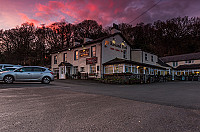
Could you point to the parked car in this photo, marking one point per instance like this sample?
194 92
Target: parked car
10 68
2 66
28 73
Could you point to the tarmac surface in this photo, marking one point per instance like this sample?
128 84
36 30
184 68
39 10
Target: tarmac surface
79 105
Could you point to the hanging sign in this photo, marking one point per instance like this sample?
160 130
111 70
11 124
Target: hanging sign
92 60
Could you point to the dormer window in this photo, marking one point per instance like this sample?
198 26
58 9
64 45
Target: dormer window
189 61
175 64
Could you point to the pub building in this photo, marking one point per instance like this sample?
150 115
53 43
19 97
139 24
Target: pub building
105 56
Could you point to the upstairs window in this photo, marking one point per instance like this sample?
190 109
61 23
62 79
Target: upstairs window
124 54
93 51
76 55
55 59
175 64
146 58
152 58
65 57
189 61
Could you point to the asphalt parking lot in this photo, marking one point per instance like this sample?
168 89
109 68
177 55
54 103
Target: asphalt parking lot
79 105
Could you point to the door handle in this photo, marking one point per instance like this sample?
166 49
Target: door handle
29 73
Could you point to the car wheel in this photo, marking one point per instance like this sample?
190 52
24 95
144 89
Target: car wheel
8 79
46 80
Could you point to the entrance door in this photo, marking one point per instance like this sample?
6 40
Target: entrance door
68 71
62 72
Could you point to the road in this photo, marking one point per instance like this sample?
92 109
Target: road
74 105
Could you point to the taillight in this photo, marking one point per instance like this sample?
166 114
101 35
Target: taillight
51 73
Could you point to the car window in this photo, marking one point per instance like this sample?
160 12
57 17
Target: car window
0 67
38 69
8 66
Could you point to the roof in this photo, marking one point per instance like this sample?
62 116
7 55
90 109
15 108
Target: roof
65 64
161 63
95 41
183 57
123 61
184 67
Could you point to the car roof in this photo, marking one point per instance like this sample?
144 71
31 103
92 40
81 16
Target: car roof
11 67
35 66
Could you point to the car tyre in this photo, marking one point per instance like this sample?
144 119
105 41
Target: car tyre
46 80
8 79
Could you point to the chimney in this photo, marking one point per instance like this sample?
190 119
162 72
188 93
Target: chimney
115 29
87 40
76 43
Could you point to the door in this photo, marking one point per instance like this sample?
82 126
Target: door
37 73
62 72
23 73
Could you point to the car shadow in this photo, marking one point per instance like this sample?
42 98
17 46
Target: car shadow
23 85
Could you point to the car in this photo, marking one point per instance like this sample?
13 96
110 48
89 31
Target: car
10 68
28 73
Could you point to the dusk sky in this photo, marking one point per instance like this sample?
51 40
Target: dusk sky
105 12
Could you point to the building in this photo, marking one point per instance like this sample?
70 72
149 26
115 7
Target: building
185 64
104 56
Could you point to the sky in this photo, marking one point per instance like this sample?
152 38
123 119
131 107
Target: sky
105 12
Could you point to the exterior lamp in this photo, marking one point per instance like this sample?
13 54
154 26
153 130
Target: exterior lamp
138 67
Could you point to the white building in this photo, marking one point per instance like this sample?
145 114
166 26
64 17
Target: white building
108 55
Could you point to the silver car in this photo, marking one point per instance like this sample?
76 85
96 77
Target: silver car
28 73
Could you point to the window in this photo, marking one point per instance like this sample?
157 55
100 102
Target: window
189 61
146 58
55 59
75 69
25 69
134 69
124 54
109 69
93 51
92 69
65 57
118 68
152 58
38 69
97 68
76 55
175 64
82 69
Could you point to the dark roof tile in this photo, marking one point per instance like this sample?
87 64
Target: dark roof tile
183 57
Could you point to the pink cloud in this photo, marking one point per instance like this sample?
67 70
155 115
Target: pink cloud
25 18
108 11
